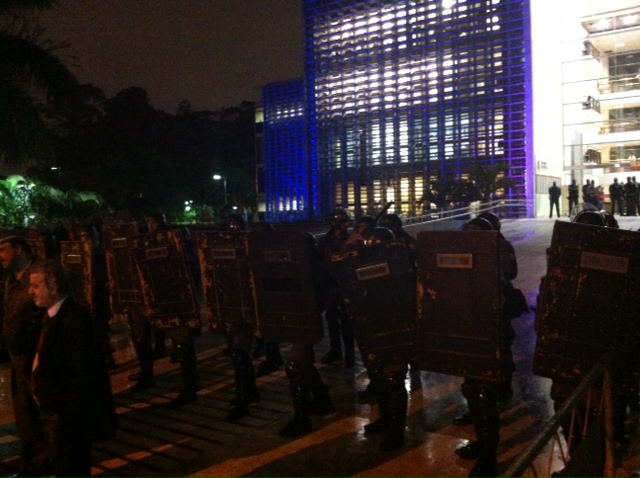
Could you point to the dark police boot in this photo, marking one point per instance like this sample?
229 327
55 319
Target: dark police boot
321 404
142 346
246 389
272 361
300 424
331 356
397 412
464 419
470 451
160 347
190 379
258 350
486 420
374 386
381 424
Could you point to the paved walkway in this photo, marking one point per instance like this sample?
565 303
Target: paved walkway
155 440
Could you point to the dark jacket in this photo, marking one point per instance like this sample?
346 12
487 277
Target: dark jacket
21 317
71 378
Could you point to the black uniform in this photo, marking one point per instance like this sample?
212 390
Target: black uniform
615 194
482 396
574 194
554 199
304 379
338 321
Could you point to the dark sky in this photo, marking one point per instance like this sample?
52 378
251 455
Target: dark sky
213 53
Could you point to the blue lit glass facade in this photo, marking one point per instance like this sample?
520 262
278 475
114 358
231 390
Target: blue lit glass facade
403 95
406 93
289 174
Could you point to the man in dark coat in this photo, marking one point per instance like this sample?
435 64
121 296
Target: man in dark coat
21 321
554 199
69 378
615 195
574 194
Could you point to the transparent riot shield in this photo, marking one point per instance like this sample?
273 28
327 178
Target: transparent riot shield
460 304
589 303
284 285
227 280
378 283
77 259
124 282
166 282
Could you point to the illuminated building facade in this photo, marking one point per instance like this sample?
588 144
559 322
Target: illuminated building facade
601 96
407 94
288 169
403 95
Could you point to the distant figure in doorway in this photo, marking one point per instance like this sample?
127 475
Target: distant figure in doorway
615 194
554 199
630 193
574 194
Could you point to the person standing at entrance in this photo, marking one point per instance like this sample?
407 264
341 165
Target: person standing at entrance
554 199
574 194
615 195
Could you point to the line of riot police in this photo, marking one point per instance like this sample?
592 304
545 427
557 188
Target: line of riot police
452 303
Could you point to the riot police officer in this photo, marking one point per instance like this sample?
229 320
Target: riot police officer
182 338
482 396
304 378
338 321
391 391
240 346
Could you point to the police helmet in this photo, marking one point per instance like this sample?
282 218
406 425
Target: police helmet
609 219
391 221
262 226
478 224
492 218
236 222
339 216
365 222
377 235
593 218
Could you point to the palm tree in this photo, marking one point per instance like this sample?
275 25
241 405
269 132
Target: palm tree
34 82
492 178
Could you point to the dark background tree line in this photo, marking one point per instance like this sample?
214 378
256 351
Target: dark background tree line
137 158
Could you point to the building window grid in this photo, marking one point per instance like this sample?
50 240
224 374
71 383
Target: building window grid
287 168
345 91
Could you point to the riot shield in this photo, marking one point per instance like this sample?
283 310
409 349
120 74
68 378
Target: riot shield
43 244
123 278
589 303
460 304
165 279
285 296
378 283
227 281
76 257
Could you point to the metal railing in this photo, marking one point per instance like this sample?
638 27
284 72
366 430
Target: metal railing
503 208
598 376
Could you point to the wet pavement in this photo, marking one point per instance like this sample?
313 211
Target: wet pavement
155 440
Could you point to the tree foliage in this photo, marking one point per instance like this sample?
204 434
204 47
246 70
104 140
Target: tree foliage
491 178
26 202
136 157
141 159
34 84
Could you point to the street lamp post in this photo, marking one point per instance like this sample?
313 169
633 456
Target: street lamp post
218 177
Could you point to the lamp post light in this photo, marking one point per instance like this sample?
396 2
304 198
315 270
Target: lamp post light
218 177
